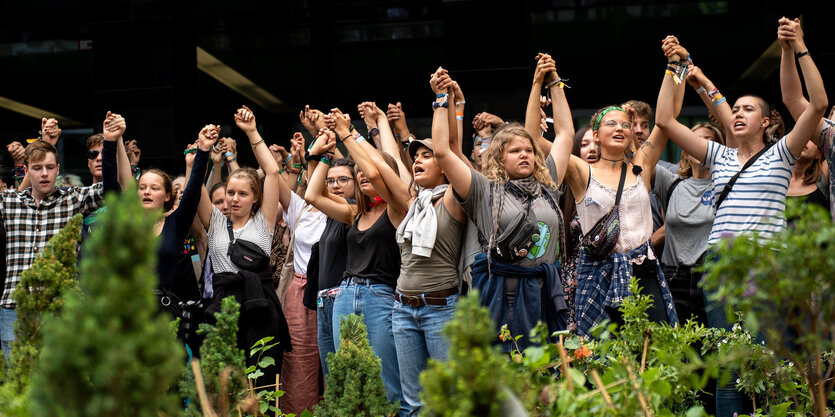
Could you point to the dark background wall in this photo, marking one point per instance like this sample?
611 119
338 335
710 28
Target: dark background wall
79 59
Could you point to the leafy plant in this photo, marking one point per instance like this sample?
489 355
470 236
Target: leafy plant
782 289
354 385
109 352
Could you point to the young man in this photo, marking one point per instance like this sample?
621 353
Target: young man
32 216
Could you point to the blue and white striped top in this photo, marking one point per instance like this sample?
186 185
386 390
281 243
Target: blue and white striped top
757 201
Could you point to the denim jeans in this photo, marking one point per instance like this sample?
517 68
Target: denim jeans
729 400
418 335
324 317
7 319
375 302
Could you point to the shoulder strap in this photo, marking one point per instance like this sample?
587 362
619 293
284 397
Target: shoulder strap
229 228
733 179
670 191
620 184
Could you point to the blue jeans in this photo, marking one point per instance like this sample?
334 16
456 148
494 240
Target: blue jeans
729 400
375 302
7 319
418 335
325 325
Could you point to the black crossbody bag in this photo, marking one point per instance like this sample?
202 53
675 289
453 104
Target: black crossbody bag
245 254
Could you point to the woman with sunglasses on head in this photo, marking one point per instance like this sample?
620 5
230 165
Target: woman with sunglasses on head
373 258
612 198
240 245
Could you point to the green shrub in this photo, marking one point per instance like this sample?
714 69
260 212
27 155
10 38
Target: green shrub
109 353
354 385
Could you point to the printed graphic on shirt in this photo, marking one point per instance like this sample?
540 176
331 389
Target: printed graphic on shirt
539 247
707 198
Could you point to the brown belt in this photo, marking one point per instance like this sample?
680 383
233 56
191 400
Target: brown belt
435 298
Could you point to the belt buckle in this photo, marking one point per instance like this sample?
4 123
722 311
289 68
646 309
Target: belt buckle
411 300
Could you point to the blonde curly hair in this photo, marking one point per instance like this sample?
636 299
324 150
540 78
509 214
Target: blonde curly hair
494 168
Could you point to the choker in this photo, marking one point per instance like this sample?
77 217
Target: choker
376 201
611 160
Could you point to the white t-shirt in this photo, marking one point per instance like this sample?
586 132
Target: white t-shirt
308 232
757 201
256 230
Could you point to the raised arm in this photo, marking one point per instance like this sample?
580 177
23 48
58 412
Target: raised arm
457 172
397 118
317 193
113 130
563 124
544 66
665 119
208 134
649 153
275 190
808 122
715 102
456 122
196 163
216 157
387 141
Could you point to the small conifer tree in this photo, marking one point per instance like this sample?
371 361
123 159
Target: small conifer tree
474 380
109 353
40 291
219 352
354 384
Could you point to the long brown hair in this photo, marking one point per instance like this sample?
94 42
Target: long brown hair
493 161
363 201
685 170
167 185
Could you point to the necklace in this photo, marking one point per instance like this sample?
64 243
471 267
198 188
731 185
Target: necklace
610 160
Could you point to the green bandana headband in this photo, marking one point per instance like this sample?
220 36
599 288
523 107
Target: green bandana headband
603 113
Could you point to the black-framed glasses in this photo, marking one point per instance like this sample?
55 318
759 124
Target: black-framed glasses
342 181
92 154
614 123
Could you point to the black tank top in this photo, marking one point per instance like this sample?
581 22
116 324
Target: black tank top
815 197
373 253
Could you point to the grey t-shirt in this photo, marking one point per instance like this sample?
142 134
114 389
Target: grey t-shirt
689 217
477 207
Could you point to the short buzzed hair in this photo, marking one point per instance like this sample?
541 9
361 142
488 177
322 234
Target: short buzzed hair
36 151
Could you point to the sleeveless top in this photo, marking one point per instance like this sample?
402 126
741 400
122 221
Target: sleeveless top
635 211
440 270
373 253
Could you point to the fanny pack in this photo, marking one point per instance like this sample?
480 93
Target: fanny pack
518 237
245 254
601 239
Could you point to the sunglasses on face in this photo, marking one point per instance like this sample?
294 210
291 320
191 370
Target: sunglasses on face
92 154
342 181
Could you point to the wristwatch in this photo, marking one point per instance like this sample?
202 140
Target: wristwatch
373 131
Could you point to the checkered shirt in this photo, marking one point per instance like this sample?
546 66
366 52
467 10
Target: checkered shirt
605 283
29 227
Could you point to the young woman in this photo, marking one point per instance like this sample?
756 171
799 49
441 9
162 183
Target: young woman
333 250
811 178
252 216
430 238
518 279
301 367
603 278
688 200
373 261
587 149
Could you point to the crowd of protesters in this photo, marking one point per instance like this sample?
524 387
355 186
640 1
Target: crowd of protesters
399 227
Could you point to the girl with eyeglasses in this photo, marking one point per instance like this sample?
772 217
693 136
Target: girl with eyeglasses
610 257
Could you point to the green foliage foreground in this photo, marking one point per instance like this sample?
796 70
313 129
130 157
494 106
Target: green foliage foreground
109 353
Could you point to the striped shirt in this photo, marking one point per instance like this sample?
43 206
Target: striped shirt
29 226
757 201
